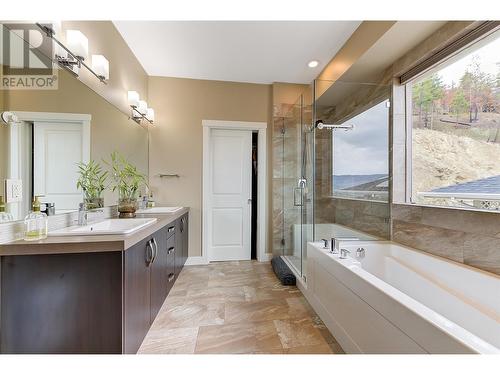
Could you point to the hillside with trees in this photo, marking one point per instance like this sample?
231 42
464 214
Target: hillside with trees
456 135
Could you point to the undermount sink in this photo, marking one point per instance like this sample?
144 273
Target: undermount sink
108 226
159 210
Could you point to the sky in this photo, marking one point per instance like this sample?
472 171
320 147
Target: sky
489 56
364 150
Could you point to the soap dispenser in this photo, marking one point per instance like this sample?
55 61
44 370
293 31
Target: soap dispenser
151 201
35 223
5 217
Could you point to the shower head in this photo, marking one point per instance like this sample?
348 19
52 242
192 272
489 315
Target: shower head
321 125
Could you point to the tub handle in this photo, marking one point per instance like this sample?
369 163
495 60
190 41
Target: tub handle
360 252
343 253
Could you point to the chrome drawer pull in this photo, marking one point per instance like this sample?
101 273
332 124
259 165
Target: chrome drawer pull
170 250
171 277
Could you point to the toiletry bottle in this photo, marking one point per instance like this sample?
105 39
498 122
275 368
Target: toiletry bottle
35 223
151 201
5 217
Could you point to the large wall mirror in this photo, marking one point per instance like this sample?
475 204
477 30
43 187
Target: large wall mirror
53 130
352 158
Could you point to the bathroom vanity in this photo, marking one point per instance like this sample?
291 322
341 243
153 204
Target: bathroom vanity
89 294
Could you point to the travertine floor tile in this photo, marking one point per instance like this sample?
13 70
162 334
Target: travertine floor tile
298 333
236 307
238 338
170 341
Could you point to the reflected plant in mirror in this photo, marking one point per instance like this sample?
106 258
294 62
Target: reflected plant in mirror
93 181
127 180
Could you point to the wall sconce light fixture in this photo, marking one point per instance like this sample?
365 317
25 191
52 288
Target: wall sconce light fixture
76 52
140 110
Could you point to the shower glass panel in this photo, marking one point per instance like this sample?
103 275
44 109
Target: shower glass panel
352 160
298 182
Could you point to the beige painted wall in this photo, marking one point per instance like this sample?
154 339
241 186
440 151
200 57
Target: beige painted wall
176 139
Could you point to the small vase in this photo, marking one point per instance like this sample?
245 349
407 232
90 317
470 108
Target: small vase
127 207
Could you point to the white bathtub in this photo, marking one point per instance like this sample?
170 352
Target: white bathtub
399 300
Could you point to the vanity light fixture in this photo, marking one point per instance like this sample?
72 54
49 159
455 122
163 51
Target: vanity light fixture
100 65
150 114
313 63
140 110
133 98
142 107
72 57
77 43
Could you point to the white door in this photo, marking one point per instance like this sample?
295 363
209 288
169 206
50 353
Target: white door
230 191
57 149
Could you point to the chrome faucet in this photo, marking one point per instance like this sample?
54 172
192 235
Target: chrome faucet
83 213
335 242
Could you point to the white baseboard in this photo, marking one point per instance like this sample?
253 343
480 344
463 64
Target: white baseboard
196 261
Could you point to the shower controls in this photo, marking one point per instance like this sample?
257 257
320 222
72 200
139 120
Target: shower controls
325 243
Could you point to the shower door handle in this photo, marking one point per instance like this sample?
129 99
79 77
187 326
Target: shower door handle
298 199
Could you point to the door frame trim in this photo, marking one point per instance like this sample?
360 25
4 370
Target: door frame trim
261 128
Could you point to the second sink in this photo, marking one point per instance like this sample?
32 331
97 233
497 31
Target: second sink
108 226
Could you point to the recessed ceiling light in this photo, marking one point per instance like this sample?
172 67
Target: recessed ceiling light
313 63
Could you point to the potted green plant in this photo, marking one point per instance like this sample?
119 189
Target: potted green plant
127 180
92 180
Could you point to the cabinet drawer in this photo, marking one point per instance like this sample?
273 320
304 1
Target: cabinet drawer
170 230
171 250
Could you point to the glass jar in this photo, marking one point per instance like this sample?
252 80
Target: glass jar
35 223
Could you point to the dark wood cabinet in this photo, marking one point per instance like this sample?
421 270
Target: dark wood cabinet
137 294
159 272
185 237
100 302
182 238
61 303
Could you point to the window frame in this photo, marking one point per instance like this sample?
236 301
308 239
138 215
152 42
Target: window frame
414 74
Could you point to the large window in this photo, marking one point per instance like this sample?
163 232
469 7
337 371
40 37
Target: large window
361 156
455 130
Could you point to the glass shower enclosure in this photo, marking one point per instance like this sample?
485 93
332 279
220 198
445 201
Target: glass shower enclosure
297 183
331 180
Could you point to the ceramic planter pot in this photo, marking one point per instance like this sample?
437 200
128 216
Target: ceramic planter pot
127 207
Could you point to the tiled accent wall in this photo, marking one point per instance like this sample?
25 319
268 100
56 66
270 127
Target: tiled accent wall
285 166
469 237
365 216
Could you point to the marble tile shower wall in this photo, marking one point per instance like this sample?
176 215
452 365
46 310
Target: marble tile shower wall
285 166
468 237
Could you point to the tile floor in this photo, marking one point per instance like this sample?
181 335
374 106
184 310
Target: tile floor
236 307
